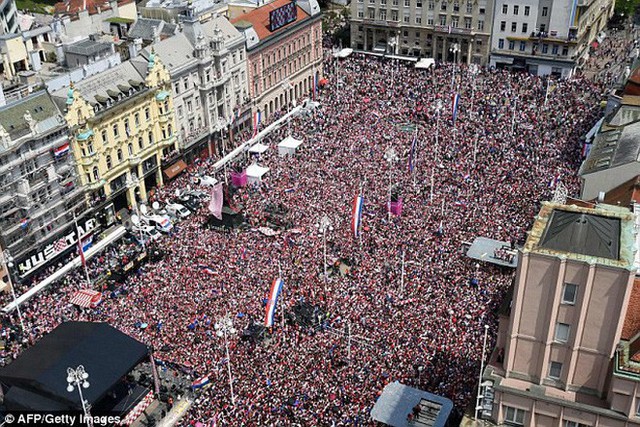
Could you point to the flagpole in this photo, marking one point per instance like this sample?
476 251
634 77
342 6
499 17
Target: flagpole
81 251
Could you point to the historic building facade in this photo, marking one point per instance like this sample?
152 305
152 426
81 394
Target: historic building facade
38 186
122 127
283 59
448 31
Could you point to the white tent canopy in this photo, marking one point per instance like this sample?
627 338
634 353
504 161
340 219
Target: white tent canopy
425 63
344 53
258 148
255 173
288 146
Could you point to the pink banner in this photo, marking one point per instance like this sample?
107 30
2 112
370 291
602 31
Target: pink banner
239 179
396 207
215 205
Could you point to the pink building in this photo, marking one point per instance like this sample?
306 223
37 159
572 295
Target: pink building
284 52
568 337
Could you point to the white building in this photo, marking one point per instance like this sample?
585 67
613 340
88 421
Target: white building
546 36
8 17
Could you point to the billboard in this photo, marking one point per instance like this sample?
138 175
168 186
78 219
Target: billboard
282 16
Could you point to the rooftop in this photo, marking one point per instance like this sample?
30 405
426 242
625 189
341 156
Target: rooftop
604 234
259 18
147 28
631 325
42 110
88 47
624 194
73 7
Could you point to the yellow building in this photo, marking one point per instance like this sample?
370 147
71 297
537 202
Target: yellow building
122 126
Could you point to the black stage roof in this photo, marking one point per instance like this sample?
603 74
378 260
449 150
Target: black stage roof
37 378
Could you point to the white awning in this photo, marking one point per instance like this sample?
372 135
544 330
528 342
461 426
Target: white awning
258 148
255 172
344 53
288 146
425 63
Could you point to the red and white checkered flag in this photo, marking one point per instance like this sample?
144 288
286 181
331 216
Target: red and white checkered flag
60 245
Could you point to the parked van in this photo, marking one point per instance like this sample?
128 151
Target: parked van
148 232
160 223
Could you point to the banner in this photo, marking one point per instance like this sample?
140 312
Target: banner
215 205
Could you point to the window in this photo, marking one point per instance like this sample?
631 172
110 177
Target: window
456 6
147 115
467 23
360 14
513 416
120 156
140 142
431 5
481 11
136 119
526 10
512 45
418 20
150 137
130 149
430 22
638 407
569 293
503 25
417 34
565 51
555 370
523 46
545 11
562 332
554 49
406 18
573 424
480 25
443 6
469 7
525 27
443 19
516 9
543 28
372 15
454 21
501 44
514 27
104 137
407 3
115 130
109 163
419 4
505 9
545 48
383 15
394 15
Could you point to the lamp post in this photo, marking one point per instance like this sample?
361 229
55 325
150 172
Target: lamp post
391 157
454 49
323 226
484 349
7 261
223 327
77 378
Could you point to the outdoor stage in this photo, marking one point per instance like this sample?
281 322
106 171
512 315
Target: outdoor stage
493 251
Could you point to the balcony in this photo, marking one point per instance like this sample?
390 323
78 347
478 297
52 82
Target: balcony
164 117
95 185
134 160
168 141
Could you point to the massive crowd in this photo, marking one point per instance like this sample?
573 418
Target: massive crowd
484 176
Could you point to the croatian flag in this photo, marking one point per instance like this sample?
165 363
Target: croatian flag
356 220
200 382
412 153
62 150
454 107
207 269
257 119
276 288
81 248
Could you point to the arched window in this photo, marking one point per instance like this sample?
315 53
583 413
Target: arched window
130 149
140 142
109 162
170 130
120 157
150 137
96 173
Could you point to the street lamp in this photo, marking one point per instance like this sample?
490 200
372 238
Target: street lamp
323 227
77 378
223 327
454 49
391 157
7 260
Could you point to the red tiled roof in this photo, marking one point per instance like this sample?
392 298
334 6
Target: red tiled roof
632 86
72 7
624 194
259 18
631 325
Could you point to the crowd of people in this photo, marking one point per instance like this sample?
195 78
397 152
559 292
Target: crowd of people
420 324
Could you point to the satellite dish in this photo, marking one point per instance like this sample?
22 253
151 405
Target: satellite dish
155 205
143 209
135 219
